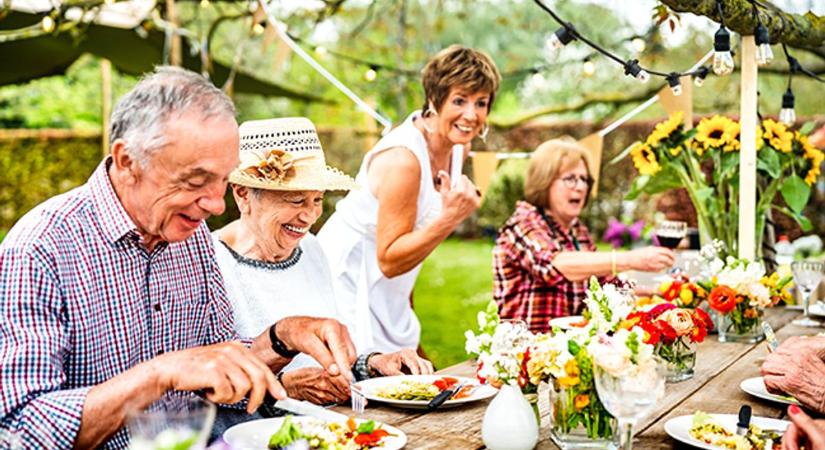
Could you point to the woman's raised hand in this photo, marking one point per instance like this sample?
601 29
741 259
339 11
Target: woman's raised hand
458 201
650 259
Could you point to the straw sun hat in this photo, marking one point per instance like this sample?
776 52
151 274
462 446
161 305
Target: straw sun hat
285 155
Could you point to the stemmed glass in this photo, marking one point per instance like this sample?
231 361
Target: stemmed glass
630 398
176 421
670 232
807 275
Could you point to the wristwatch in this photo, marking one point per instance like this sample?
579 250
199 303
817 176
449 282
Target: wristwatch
278 345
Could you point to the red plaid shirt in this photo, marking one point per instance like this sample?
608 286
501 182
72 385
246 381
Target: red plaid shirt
526 285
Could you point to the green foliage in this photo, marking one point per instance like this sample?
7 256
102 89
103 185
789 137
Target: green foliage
506 188
32 170
455 283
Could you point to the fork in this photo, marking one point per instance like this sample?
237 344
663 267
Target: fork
358 400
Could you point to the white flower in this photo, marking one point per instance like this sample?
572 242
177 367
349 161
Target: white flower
482 319
758 295
616 355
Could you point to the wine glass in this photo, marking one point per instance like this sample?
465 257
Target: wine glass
807 275
670 232
631 397
178 421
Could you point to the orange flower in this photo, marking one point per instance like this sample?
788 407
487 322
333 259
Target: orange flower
750 313
722 299
581 401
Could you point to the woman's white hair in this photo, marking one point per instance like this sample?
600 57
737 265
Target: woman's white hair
141 116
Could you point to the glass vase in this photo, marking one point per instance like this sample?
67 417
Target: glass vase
579 421
679 358
735 327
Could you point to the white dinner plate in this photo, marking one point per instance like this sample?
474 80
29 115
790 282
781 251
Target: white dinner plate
255 434
679 427
370 387
566 323
756 386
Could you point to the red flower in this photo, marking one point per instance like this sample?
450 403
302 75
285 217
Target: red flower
672 291
668 333
652 333
698 334
722 299
701 318
657 310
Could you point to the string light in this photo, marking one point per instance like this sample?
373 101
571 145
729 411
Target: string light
700 75
787 115
764 53
639 44
47 24
559 39
588 68
674 83
258 29
371 74
633 69
204 4
321 50
722 59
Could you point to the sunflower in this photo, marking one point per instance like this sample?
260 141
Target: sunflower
664 129
644 159
716 132
816 157
777 135
735 144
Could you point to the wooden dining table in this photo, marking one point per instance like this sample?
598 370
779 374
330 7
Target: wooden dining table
714 388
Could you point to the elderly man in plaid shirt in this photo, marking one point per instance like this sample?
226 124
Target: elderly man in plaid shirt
110 294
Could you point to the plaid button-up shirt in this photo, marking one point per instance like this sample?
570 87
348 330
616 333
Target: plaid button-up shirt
525 284
81 300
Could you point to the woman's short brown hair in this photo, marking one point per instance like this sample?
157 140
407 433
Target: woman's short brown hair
458 66
551 158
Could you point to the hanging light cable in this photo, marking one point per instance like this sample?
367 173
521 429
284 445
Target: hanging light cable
764 53
787 115
722 58
674 83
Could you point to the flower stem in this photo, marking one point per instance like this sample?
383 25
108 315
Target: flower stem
626 436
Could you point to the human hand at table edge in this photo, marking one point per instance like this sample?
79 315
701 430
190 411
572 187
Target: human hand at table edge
800 374
326 340
315 385
228 372
395 363
803 431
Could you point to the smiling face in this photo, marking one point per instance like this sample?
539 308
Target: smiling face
183 183
278 220
462 115
568 191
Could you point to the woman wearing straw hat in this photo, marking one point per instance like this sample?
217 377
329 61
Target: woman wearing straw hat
272 266
379 235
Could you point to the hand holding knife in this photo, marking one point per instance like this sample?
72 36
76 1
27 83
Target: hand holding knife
444 395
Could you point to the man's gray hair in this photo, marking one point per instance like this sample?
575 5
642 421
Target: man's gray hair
141 116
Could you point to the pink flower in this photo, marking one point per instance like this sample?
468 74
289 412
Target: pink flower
681 320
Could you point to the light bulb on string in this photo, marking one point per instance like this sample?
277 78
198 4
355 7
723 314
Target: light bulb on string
674 83
764 53
639 44
258 29
321 50
47 24
700 76
633 69
722 59
559 39
371 74
588 67
787 115
204 4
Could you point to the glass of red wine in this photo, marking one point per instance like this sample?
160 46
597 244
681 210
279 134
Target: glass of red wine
670 233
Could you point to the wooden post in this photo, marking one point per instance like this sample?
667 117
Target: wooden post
105 102
747 160
175 55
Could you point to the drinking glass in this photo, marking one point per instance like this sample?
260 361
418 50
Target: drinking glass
630 398
807 275
670 232
176 421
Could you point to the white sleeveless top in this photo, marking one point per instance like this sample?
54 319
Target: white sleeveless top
379 307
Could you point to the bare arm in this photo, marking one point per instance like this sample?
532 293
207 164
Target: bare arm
577 266
394 177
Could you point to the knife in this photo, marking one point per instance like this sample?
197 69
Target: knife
444 395
770 336
744 420
305 408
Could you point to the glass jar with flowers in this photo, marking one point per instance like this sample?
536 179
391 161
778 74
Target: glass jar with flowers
705 161
739 293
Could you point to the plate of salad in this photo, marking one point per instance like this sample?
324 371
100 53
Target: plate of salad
416 391
718 431
308 433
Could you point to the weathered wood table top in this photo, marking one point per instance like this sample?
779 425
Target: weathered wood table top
720 367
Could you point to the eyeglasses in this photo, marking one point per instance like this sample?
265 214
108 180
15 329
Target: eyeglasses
570 181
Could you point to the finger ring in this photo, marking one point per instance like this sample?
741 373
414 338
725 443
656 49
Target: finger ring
478 192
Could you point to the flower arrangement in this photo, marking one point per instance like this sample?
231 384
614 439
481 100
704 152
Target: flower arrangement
740 291
682 292
705 161
621 234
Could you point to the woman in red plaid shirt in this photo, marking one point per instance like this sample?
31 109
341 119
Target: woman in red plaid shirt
544 254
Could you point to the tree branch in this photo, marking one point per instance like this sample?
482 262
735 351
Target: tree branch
613 98
797 30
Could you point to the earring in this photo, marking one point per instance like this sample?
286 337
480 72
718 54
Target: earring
484 130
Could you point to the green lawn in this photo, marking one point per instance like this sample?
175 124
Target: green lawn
455 283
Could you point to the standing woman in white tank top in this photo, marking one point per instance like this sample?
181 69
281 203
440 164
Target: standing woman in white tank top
379 235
